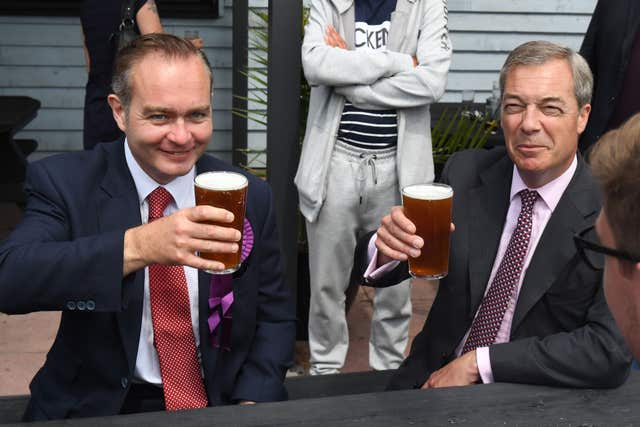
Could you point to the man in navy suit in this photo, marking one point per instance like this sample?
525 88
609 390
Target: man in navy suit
85 246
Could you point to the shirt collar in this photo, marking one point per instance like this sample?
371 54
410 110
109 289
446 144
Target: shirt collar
552 191
181 188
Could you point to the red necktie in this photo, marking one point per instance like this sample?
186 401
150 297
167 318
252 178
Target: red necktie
172 331
494 305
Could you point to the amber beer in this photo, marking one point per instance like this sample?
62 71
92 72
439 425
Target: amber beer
428 206
226 190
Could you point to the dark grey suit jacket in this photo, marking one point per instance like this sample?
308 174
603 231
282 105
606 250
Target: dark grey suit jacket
562 332
607 48
66 254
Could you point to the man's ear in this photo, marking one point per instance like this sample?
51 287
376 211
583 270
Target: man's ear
630 270
119 113
583 117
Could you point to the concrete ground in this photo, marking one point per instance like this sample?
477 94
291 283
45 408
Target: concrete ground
25 339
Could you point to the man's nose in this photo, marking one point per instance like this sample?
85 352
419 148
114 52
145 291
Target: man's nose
180 133
531 119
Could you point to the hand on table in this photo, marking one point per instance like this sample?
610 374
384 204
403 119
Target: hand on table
459 372
174 239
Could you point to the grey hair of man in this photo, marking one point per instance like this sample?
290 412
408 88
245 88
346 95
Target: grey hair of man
540 52
167 45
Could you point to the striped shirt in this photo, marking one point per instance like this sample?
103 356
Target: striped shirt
370 129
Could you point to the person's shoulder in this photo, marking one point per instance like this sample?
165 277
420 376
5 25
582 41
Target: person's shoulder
478 159
76 167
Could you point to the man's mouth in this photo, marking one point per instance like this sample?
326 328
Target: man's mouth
177 153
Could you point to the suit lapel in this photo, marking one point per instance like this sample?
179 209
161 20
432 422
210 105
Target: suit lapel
119 209
488 206
208 353
575 211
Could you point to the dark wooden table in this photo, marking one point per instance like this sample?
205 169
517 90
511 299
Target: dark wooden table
484 405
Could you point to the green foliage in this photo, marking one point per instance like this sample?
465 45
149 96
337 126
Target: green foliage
257 81
459 130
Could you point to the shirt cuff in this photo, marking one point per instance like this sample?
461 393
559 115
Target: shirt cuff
373 271
484 364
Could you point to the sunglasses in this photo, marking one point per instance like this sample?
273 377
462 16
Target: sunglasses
593 253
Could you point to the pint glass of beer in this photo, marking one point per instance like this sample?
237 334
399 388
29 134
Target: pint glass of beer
226 190
428 206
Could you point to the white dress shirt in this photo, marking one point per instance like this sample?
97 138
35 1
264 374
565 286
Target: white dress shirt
181 188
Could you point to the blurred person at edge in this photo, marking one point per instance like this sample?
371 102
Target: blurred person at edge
615 161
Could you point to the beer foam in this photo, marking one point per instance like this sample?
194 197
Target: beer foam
222 181
428 192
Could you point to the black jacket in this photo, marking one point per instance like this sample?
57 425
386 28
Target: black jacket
606 47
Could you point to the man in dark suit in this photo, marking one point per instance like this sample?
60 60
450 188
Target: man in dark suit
85 247
553 326
611 46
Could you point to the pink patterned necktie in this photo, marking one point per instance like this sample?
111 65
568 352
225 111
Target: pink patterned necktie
494 305
172 331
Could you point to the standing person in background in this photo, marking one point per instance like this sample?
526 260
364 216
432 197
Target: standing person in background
100 19
612 49
374 67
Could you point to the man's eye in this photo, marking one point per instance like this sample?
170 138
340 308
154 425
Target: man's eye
551 110
198 115
158 117
513 108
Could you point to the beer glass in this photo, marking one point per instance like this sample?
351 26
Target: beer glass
226 190
428 206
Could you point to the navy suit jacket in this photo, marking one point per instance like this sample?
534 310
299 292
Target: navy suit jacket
562 332
67 254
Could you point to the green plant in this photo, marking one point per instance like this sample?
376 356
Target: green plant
257 79
462 129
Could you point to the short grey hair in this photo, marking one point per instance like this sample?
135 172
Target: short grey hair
540 52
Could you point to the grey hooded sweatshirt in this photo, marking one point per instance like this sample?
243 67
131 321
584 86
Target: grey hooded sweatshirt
373 80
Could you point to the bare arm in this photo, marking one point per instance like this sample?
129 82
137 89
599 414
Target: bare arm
148 19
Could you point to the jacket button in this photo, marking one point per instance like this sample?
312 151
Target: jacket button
91 305
124 382
81 305
71 305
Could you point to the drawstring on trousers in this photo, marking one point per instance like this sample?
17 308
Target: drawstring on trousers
366 160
